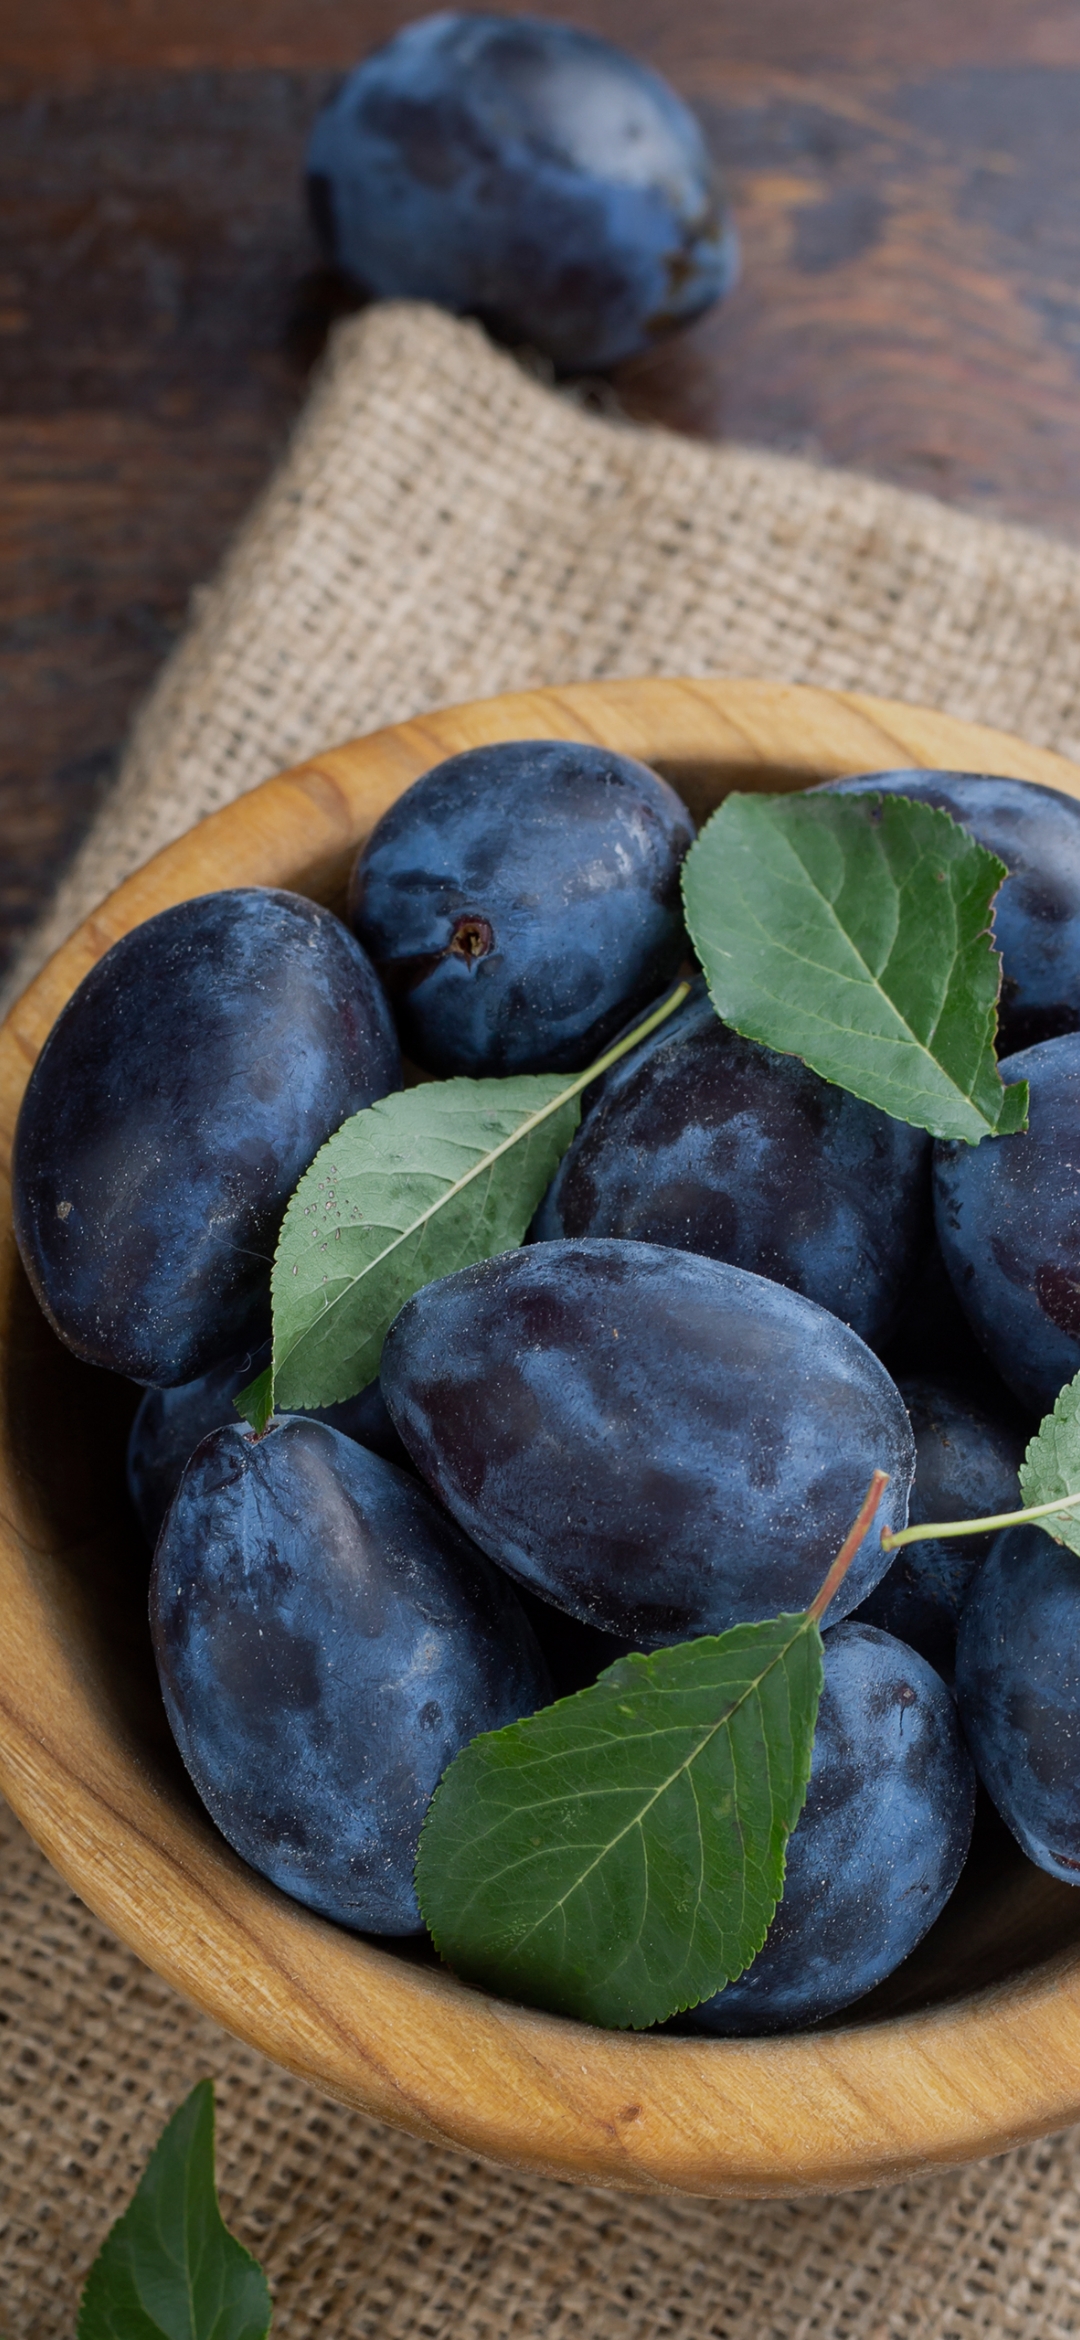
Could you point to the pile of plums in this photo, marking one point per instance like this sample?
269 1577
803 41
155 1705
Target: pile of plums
744 1291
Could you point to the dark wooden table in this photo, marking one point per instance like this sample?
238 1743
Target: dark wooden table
906 177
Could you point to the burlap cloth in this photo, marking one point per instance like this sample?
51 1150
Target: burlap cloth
443 527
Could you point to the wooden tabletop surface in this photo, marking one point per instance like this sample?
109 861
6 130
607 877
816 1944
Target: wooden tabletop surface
906 179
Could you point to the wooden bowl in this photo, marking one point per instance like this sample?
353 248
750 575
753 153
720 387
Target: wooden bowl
973 2045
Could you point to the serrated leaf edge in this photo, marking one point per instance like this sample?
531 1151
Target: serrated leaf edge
1017 1112
803 1623
666 1007
423 1219
200 2102
1040 1459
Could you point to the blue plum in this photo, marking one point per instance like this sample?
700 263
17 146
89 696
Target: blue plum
521 902
528 173
932 1337
658 1443
1035 831
967 1460
170 1423
710 1143
326 1644
1018 1690
1008 1222
878 1849
574 1653
178 1098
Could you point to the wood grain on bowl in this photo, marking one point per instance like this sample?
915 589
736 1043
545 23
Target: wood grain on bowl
973 2045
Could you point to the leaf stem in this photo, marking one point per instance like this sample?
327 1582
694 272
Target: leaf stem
850 1546
931 1529
592 1072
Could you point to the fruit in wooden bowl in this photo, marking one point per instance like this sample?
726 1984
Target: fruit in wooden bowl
974 2043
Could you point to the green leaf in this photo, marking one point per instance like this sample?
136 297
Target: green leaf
855 932
1050 1471
255 1404
619 1856
170 2269
424 1182
421 1183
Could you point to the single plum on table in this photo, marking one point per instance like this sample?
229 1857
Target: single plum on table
180 1095
326 1644
878 1847
658 1443
710 1143
521 903
1035 831
527 173
170 1423
1018 1690
1008 1222
967 1461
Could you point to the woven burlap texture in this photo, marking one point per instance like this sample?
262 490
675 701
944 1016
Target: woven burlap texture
368 2235
443 526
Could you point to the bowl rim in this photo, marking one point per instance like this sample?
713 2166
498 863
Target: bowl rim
805 2113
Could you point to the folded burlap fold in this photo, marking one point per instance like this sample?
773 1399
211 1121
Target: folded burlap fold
443 527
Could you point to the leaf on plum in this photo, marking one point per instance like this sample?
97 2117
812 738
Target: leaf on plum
856 933
170 2269
1050 1470
255 1402
426 1181
620 1855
